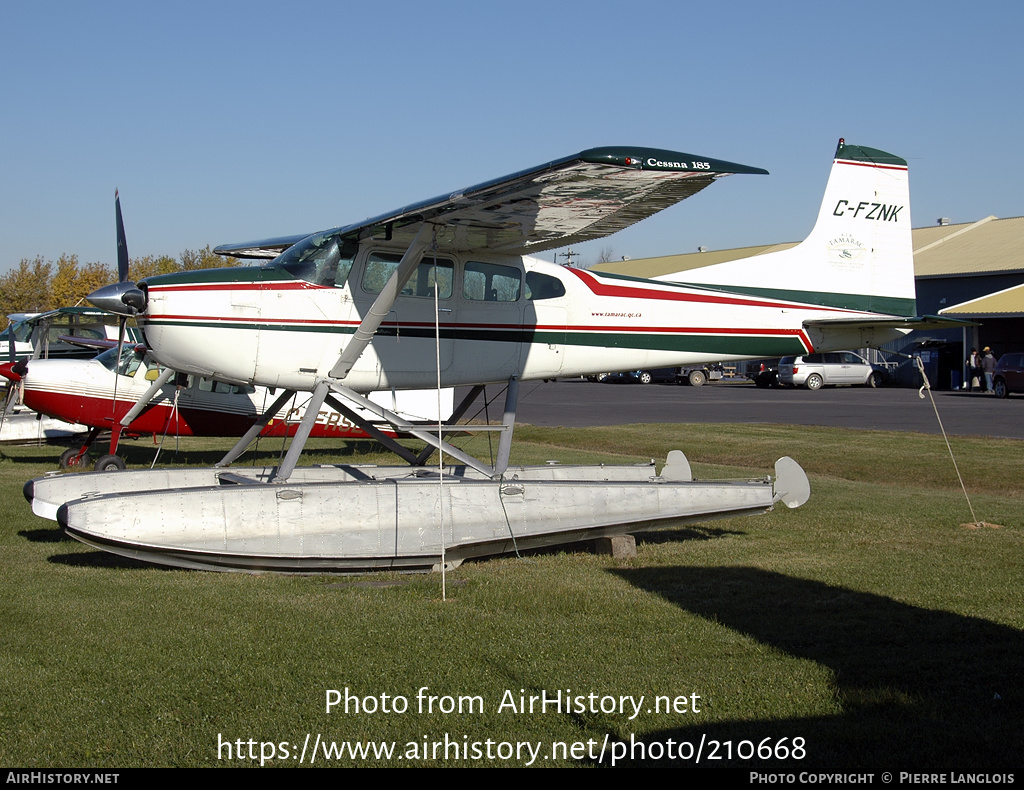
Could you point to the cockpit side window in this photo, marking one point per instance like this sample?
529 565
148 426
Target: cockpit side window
429 272
491 282
324 259
543 286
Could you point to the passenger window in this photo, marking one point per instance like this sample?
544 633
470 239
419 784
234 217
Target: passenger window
543 286
491 282
381 265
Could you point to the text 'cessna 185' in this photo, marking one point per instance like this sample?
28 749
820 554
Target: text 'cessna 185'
444 293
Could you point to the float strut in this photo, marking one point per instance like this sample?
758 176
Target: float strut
284 471
509 421
255 430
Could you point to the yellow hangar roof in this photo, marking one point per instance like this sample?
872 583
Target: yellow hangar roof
988 246
1009 302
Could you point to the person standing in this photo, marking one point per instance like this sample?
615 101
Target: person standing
988 367
973 364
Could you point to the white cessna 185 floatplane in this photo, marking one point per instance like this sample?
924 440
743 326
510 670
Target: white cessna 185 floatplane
443 293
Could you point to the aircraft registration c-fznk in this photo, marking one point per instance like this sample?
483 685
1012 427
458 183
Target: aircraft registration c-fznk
444 293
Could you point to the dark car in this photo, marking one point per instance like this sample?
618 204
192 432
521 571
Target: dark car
663 375
1009 374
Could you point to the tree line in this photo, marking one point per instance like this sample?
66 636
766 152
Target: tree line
36 285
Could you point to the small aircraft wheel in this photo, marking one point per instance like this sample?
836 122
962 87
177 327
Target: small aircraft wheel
697 378
69 459
110 463
814 382
645 377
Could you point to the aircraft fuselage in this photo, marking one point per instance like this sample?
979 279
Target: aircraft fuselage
497 317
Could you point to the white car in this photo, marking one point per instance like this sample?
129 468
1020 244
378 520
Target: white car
815 371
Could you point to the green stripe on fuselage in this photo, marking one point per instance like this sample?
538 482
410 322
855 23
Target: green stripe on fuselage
752 345
233 274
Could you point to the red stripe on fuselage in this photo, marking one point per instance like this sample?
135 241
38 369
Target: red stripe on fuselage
635 292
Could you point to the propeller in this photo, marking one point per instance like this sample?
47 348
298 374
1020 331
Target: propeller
124 299
14 371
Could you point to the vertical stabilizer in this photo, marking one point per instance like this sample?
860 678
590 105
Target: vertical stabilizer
859 256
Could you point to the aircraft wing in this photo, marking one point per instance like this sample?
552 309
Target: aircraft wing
896 322
267 248
98 343
574 199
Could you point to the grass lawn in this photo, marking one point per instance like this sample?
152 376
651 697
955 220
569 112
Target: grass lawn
870 629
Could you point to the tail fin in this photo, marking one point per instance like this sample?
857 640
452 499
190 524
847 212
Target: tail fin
859 256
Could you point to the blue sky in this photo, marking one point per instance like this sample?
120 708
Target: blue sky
225 122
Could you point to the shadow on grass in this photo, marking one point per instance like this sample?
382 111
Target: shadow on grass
679 534
102 559
140 454
696 532
53 535
919 688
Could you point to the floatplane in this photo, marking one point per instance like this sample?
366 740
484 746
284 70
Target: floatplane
444 293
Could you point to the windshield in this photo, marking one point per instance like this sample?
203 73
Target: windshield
22 332
323 259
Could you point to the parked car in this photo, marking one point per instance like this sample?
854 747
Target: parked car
815 371
695 376
663 375
1009 375
769 377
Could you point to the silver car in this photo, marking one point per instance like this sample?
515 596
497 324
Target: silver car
815 371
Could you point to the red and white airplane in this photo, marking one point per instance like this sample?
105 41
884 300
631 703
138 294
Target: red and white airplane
444 293
146 399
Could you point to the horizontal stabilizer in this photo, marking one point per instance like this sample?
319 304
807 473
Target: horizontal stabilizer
899 322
